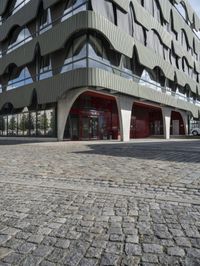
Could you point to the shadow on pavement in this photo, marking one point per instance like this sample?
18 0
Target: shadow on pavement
180 151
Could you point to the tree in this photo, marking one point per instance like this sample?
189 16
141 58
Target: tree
31 121
24 123
2 124
43 122
53 122
12 124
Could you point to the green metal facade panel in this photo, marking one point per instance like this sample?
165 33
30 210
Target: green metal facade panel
56 38
18 98
20 18
123 4
3 6
51 90
150 59
143 17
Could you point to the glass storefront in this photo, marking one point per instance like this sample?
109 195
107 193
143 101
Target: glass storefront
40 123
92 118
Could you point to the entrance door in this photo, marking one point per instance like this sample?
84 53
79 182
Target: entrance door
94 128
157 127
74 128
90 127
85 127
175 127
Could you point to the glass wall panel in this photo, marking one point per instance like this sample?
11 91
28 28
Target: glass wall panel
50 123
41 123
3 125
12 125
32 123
23 124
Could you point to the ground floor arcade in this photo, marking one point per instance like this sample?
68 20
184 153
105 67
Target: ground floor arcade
94 115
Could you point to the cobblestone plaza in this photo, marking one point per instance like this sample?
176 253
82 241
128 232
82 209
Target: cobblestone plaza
100 203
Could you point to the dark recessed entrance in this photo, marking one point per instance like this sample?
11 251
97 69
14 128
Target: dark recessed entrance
146 121
93 116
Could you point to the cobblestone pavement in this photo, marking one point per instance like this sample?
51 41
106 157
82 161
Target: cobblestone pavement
100 203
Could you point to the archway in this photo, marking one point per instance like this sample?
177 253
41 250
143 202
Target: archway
93 116
177 126
146 121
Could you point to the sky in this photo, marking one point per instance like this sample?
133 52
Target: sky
196 6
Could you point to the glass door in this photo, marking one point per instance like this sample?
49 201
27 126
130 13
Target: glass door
85 127
94 125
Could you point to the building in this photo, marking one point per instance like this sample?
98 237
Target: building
98 69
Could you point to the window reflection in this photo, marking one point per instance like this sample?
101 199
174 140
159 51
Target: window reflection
23 37
23 124
45 67
73 7
19 4
23 79
29 123
45 21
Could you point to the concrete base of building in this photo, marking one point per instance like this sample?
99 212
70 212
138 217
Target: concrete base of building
23 139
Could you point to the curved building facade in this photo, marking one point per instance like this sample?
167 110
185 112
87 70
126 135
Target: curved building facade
98 69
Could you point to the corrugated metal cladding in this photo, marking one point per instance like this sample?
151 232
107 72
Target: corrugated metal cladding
18 98
119 38
55 39
3 6
51 90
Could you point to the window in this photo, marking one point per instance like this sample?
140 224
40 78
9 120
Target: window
19 4
181 10
76 54
23 37
146 80
73 7
24 78
126 68
45 21
183 40
45 67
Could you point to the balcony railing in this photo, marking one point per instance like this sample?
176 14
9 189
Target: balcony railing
89 62
21 4
72 11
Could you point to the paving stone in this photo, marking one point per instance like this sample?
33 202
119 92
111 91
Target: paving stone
183 241
132 239
152 248
133 249
100 203
13 258
151 258
130 260
109 259
176 251
88 262
194 252
31 261
94 253
4 252
47 263
114 247
35 239
26 248
118 238
42 251
56 255
62 243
